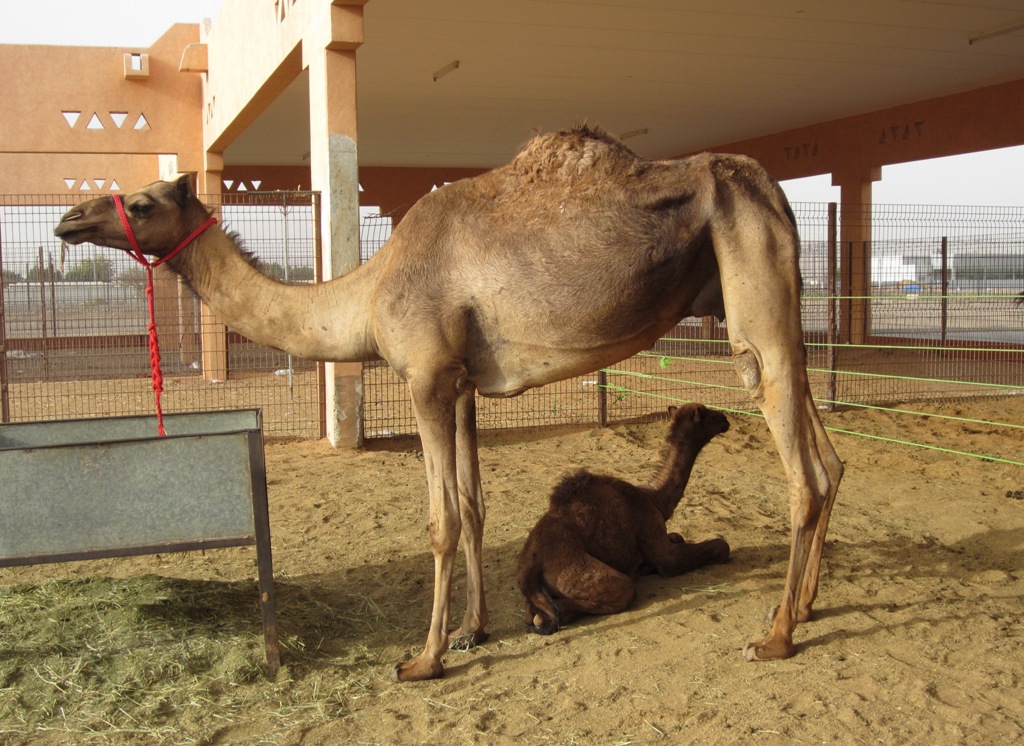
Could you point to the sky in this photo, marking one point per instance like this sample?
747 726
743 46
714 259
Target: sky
97 23
993 178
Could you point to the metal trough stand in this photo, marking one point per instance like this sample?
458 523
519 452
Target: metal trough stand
110 487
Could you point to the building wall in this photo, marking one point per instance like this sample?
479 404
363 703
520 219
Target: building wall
73 121
982 119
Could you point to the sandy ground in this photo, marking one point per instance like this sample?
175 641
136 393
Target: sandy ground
918 636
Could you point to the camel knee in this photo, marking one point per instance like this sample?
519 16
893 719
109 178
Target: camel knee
749 370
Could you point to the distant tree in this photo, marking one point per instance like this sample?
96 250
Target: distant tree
9 276
132 275
272 269
301 274
99 269
36 273
295 274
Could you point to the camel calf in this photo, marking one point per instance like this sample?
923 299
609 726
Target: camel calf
600 532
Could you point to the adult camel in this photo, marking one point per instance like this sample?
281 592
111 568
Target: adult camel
573 256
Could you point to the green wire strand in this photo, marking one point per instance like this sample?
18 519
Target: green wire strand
920 380
914 348
912 444
928 447
844 346
931 415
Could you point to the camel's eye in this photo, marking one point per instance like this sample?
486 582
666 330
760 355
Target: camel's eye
140 209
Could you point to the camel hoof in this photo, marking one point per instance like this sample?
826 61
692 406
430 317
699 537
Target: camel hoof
768 650
415 670
466 641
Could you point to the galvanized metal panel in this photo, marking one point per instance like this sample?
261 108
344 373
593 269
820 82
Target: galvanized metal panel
105 429
97 496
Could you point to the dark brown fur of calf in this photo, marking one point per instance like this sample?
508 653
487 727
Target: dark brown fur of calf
600 532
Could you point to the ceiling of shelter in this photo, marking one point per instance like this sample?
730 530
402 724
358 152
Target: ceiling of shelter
690 73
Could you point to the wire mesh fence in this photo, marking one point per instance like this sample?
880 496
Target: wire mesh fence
74 338
943 321
940 301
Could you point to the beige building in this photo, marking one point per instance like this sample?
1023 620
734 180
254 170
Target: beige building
266 98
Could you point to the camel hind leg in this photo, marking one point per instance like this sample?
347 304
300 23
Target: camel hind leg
757 251
471 507
434 400
586 585
814 472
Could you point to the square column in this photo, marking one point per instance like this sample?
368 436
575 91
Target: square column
855 253
213 332
334 172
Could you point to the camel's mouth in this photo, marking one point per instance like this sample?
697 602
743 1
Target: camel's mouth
722 426
70 235
73 228
65 230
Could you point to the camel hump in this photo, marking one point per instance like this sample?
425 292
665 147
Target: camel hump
572 487
573 154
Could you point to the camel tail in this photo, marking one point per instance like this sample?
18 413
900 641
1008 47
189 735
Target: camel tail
541 615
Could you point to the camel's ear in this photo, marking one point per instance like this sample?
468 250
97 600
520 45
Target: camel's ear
672 411
183 190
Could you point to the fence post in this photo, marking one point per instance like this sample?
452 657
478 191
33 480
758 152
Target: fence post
5 402
602 399
318 277
830 290
42 315
944 302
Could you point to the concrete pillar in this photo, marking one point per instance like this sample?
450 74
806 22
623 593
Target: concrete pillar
165 282
334 172
855 252
212 332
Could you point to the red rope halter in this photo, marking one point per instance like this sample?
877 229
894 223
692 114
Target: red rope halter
138 256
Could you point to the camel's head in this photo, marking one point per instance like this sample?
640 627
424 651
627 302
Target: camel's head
160 215
695 423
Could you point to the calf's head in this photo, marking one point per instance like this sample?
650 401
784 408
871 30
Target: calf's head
695 423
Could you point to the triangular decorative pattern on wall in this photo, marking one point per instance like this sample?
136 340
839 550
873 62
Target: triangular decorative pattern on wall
240 185
95 122
87 185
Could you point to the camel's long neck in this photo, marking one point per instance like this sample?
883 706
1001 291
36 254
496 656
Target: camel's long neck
667 489
327 321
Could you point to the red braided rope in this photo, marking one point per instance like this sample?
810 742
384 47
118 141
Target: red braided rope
154 342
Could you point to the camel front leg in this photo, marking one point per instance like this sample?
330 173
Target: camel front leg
434 407
471 504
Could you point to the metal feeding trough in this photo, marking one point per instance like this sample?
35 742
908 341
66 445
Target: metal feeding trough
110 487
